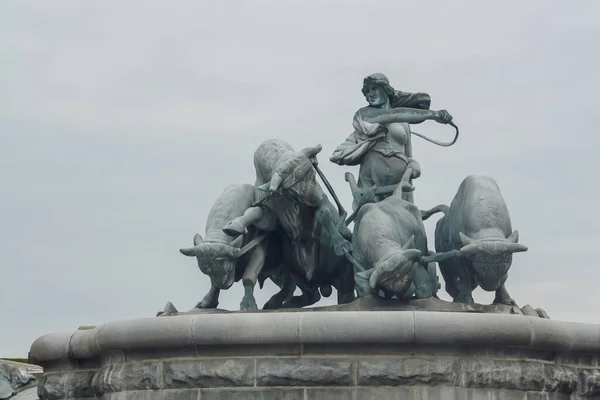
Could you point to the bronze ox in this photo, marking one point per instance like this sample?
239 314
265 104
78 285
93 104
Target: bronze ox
313 245
478 224
225 259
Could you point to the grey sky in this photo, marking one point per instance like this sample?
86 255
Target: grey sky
120 122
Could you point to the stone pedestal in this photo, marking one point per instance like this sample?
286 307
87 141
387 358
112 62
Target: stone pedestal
299 355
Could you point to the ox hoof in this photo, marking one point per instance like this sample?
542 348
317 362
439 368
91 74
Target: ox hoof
304 300
248 304
507 302
326 290
346 298
273 304
464 299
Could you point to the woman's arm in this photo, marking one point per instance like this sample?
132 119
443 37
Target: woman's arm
407 115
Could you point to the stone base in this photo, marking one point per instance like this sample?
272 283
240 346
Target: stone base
331 355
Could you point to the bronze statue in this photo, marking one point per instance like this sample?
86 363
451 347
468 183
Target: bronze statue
381 141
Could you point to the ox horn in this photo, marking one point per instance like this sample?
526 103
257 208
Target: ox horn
189 251
312 151
513 243
192 251
410 244
468 249
276 180
469 245
516 247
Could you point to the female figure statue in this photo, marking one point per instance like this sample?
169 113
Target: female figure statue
381 141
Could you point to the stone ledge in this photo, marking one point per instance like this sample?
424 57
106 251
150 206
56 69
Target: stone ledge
251 375
334 327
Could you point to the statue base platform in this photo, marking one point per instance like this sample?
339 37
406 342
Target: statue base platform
377 303
307 355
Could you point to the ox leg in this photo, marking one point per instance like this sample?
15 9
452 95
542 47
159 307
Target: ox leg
426 280
346 284
248 301
339 242
286 293
502 296
463 281
310 295
304 300
424 287
250 276
239 225
458 280
211 299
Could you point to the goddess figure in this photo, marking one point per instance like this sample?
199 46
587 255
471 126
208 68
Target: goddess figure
381 141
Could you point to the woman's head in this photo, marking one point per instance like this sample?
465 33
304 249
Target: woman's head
377 90
380 94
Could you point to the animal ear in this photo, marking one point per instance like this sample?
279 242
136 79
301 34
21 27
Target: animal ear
312 151
514 237
410 244
197 239
465 239
190 251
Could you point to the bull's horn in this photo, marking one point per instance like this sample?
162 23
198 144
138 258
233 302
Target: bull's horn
190 251
410 244
514 237
197 239
411 254
276 180
312 151
516 247
468 249
465 239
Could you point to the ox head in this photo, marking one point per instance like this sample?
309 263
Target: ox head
217 260
295 176
394 272
491 257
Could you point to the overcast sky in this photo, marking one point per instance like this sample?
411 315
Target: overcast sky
121 122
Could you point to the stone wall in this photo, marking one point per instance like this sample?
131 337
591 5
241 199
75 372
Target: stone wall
345 355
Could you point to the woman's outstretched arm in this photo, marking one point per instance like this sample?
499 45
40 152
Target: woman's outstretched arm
407 115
